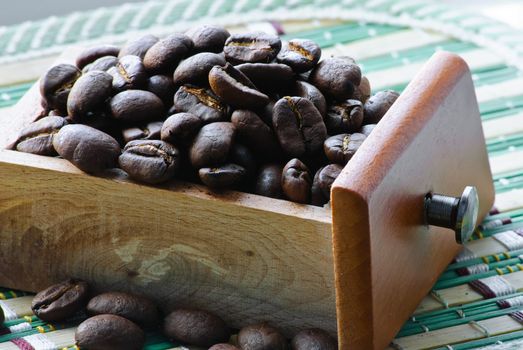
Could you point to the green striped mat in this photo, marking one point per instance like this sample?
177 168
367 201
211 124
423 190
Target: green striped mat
391 40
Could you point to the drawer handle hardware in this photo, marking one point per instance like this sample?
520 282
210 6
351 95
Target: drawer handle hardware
457 213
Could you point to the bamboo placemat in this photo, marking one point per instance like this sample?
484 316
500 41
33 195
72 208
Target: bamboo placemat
477 301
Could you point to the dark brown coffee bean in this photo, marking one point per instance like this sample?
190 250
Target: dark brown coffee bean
56 85
129 73
327 176
208 38
60 301
163 87
136 106
261 337
313 339
376 106
89 149
136 308
195 327
88 94
195 69
251 47
268 76
200 102
336 77
367 129
93 53
180 128
103 64
150 131
268 182
164 56
37 137
311 93
296 181
253 132
340 148
235 88
300 54
150 161
243 156
362 92
317 197
139 46
109 332
299 126
212 145
224 176
346 116
265 113
223 346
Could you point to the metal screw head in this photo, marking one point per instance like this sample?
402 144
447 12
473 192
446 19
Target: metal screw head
457 213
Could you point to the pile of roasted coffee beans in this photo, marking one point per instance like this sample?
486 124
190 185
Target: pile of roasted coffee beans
119 320
243 111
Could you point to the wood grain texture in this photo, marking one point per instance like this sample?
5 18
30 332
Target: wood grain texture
386 260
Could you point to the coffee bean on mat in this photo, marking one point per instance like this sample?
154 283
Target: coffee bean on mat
109 332
313 339
261 336
60 300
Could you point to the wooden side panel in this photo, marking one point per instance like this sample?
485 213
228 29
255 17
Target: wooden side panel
430 140
245 257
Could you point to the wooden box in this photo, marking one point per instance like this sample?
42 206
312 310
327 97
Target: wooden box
359 268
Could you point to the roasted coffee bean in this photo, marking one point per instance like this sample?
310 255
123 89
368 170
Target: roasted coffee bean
367 129
376 106
212 145
195 69
200 102
251 48
340 148
268 77
139 46
208 38
88 94
195 327
362 92
93 53
56 85
346 116
136 106
180 128
129 73
336 77
242 156
313 339
150 131
311 93
300 54
103 64
224 176
164 56
235 88
317 197
163 87
268 182
327 176
223 346
296 181
109 332
89 149
299 126
265 113
261 337
60 300
136 308
37 137
253 132
150 161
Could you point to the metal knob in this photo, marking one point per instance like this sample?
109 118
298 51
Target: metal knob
457 213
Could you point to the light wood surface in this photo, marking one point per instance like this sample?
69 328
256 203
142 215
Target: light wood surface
386 260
